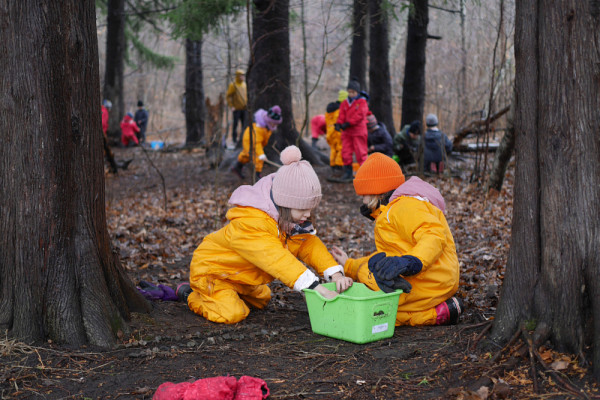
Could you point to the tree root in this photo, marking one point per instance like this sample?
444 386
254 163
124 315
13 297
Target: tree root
535 358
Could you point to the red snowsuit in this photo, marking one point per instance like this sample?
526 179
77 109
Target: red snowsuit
128 131
354 137
104 119
318 126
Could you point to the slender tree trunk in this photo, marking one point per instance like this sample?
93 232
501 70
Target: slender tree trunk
413 87
380 86
553 270
114 66
358 50
194 93
59 278
503 154
461 118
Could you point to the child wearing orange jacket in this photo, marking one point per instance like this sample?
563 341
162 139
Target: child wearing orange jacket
333 136
269 236
415 248
265 123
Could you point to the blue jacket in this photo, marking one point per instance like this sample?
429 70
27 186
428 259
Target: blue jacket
435 140
381 140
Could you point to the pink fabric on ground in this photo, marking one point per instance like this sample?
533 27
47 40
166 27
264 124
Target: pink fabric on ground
215 388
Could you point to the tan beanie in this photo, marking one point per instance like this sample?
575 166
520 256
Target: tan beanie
296 185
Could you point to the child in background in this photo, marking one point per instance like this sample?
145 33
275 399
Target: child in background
333 136
265 123
352 121
415 248
379 139
268 237
128 131
406 143
317 128
106 106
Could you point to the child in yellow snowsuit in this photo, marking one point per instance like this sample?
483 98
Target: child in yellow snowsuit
265 122
268 237
415 248
333 136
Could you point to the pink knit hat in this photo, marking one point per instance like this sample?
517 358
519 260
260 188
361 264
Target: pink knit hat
296 185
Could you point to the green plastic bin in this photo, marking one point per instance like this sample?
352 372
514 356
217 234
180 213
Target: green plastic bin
358 315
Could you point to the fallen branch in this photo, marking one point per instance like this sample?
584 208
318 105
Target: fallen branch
476 126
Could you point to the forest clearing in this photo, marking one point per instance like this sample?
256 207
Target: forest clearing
177 174
277 344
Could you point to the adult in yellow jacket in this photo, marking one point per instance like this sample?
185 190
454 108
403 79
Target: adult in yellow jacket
237 99
415 248
267 237
265 123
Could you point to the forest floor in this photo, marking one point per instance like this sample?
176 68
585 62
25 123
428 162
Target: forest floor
276 344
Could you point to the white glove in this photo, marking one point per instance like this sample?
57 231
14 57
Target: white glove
262 157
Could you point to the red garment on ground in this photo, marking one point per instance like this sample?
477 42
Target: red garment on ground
128 131
318 127
216 388
104 119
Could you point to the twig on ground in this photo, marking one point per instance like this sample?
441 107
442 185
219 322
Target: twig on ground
483 332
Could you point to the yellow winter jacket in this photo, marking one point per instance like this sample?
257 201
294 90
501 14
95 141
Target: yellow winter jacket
334 139
412 225
260 138
250 250
237 96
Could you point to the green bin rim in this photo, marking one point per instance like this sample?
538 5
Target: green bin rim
343 296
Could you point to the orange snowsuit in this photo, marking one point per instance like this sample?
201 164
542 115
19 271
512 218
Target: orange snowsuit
412 225
232 266
334 139
260 138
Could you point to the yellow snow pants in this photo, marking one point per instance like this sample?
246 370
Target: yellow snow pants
226 302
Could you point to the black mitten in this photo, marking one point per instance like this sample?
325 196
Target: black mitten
366 211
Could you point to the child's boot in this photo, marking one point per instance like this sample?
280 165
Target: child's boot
183 291
237 169
336 171
449 311
348 174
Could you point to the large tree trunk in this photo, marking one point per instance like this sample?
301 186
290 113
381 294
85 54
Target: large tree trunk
59 278
413 87
380 86
114 66
269 74
194 93
358 49
553 270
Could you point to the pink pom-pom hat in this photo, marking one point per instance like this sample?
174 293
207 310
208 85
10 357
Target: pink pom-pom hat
296 185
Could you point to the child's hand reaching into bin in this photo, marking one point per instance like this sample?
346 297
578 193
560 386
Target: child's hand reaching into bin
342 283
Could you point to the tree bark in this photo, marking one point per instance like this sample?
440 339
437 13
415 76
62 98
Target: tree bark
114 66
553 269
59 278
380 86
358 49
503 154
413 86
269 74
194 93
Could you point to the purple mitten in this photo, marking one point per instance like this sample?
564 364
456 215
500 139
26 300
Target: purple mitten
168 293
150 291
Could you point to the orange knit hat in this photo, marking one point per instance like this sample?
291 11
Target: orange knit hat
378 175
